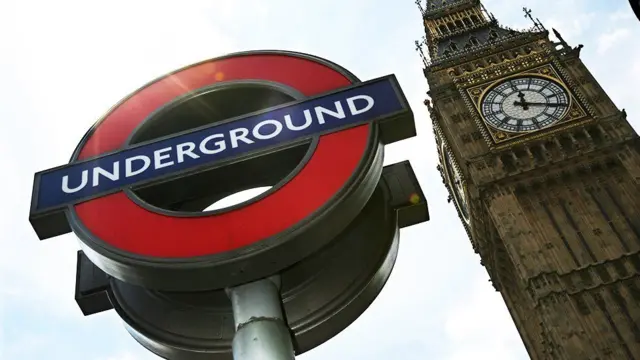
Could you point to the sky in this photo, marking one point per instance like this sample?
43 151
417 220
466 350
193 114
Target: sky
63 63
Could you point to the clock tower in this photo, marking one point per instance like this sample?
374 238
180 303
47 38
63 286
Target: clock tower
544 171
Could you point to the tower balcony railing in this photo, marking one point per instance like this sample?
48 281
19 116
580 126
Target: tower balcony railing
475 49
460 31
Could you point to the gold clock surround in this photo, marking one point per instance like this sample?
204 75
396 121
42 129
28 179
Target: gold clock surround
576 114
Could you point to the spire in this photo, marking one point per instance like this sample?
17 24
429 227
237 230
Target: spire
419 49
562 42
454 27
422 10
489 14
536 23
564 46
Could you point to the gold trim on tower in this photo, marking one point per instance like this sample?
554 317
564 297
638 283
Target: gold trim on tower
576 114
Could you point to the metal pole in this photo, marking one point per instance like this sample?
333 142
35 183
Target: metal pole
261 332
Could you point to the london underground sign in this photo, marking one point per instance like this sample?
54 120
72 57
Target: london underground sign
190 283
132 191
199 149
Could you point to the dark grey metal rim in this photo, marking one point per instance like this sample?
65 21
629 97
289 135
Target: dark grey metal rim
204 273
349 75
338 309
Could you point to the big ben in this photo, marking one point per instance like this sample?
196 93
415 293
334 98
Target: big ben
544 170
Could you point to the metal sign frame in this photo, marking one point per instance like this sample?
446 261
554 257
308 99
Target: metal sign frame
122 234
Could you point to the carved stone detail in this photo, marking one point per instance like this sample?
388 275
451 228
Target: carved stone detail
553 213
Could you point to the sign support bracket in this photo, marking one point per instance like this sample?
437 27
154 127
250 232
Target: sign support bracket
261 331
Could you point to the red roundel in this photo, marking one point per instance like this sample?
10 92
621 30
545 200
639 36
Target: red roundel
127 234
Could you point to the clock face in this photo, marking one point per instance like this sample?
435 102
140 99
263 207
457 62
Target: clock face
455 182
525 104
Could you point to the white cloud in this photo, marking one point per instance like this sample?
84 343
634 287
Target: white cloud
71 60
623 15
553 14
123 356
479 326
608 40
573 27
76 63
635 70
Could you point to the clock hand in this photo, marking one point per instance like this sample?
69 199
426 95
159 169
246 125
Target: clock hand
547 104
524 104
